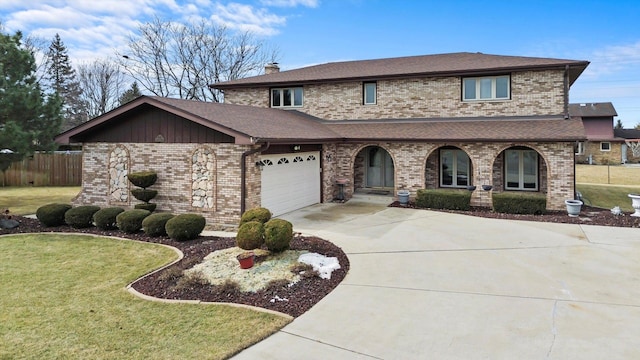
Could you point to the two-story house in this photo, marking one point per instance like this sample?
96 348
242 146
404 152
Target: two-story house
284 139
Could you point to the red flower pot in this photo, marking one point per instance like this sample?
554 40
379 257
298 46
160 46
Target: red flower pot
246 260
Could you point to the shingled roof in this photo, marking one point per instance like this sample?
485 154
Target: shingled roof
463 63
477 129
248 124
603 109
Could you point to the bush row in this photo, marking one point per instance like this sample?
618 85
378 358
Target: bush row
178 227
503 202
519 203
444 199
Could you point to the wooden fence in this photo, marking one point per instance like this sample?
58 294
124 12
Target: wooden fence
57 169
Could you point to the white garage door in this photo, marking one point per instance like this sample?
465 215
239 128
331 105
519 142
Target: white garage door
290 181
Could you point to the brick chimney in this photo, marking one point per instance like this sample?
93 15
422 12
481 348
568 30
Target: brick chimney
271 68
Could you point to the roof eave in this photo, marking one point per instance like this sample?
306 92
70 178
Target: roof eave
579 66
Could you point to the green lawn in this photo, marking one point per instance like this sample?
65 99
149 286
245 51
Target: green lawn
608 186
26 200
608 196
64 297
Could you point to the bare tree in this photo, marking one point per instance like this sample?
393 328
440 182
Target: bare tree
102 82
177 60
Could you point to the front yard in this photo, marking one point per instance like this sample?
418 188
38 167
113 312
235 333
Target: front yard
64 297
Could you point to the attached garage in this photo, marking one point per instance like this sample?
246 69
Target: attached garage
290 181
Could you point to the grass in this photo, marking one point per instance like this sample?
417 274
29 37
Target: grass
64 296
608 186
603 174
26 200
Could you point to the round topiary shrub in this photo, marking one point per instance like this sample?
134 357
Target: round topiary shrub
144 194
143 179
258 214
278 234
52 214
105 219
185 226
130 221
154 224
250 235
81 216
146 206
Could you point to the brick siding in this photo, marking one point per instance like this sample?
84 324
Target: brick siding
532 93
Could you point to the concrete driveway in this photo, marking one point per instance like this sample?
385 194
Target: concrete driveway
430 285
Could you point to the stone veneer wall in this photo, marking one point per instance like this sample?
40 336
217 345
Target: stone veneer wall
180 168
118 171
412 171
532 93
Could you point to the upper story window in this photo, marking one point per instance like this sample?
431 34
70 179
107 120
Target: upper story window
486 88
286 97
369 90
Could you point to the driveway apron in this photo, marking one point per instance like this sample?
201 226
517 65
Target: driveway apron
432 285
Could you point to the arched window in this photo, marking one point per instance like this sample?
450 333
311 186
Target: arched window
521 169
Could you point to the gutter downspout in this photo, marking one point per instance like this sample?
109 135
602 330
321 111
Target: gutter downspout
243 173
566 92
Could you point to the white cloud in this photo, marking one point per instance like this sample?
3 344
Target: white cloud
290 3
247 18
613 59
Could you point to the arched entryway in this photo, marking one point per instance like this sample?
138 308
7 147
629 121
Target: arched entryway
448 167
520 168
374 169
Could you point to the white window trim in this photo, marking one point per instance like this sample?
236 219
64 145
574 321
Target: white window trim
454 171
281 90
521 172
364 93
493 88
580 148
605 142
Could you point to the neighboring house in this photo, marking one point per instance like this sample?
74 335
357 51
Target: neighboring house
602 145
630 148
282 140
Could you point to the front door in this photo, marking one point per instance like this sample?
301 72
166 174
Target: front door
379 168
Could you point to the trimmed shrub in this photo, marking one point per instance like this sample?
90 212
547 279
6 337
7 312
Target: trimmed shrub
143 179
185 226
144 194
52 214
258 214
146 206
278 234
250 235
130 221
81 216
105 219
519 203
444 199
154 224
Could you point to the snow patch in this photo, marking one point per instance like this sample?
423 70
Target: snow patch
278 298
322 264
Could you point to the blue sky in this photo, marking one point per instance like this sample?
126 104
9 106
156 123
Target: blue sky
307 32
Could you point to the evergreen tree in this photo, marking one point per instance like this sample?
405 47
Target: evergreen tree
62 81
28 122
130 94
618 124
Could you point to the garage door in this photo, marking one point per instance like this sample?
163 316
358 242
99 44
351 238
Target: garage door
290 181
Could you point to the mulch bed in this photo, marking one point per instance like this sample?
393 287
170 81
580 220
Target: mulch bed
588 216
292 300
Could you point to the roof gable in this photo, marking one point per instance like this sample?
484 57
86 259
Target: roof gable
412 66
